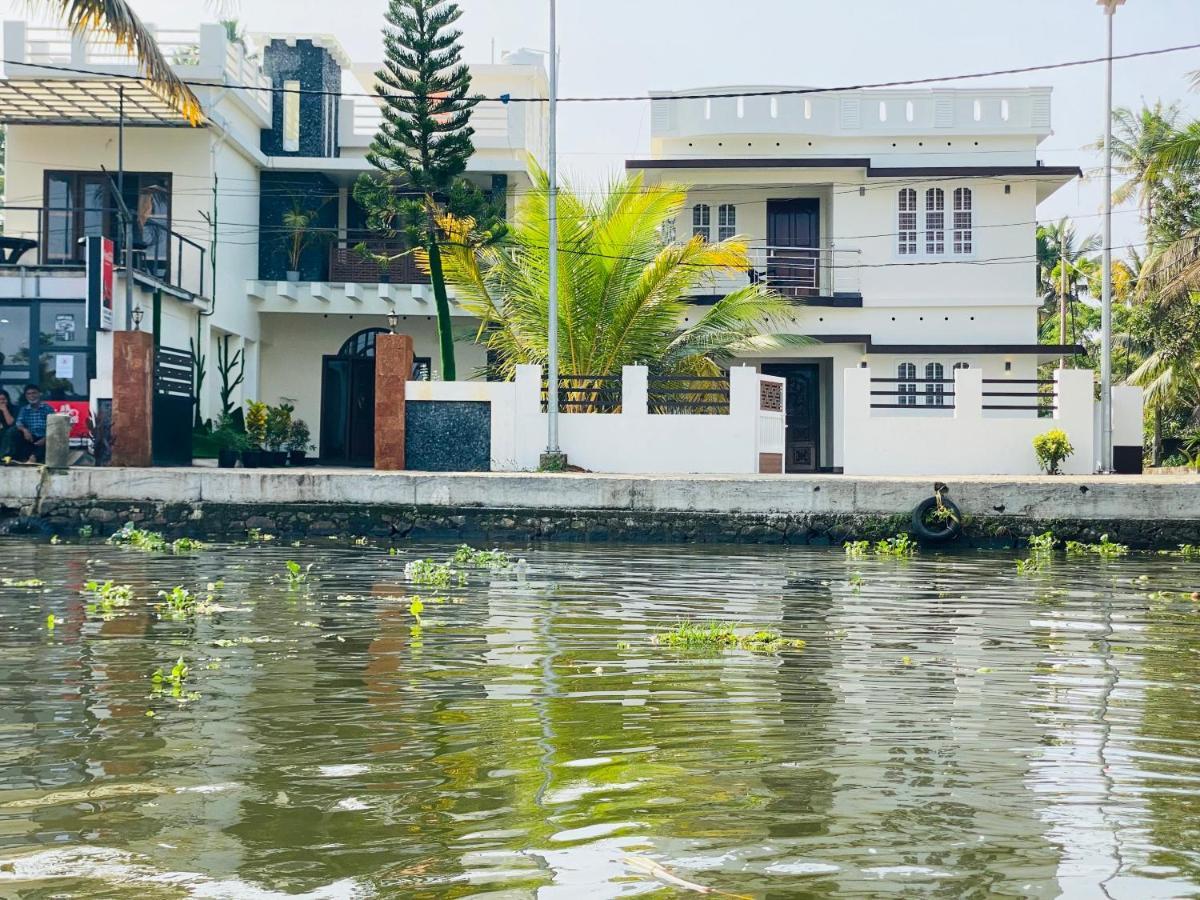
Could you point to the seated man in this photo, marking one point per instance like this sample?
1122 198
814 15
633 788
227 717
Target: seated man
30 442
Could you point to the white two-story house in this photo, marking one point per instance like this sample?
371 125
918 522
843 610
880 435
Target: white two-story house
217 273
901 223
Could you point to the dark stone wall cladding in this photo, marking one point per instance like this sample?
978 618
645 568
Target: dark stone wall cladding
320 80
448 435
278 193
231 522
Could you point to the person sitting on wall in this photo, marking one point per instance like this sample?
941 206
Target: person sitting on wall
8 423
30 442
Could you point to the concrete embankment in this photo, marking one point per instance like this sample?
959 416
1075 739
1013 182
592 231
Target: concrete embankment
1141 511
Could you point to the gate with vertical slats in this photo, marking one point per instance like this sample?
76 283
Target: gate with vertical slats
171 430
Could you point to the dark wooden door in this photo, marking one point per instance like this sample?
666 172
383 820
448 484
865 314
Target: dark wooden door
802 414
348 410
794 239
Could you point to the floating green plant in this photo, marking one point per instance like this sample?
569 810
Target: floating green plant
415 608
22 582
256 535
51 622
172 683
1043 543
900 546
1029 566
1105 548
296 574
725 636
177 602
433 573
130 535
108 597
857 549
466 555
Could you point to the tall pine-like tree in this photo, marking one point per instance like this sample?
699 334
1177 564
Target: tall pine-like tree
422 147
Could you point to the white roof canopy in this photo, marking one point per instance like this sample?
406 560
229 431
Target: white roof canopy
88 101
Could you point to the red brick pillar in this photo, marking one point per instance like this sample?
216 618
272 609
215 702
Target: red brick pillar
133 397
393 367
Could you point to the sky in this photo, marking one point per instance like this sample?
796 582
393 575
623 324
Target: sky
632 46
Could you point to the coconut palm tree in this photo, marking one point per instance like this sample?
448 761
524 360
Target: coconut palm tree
1056 241
623 289
1138 140
117 18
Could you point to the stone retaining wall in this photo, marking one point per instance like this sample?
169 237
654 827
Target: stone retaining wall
1143 512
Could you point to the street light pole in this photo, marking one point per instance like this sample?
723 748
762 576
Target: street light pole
1106 423
552 449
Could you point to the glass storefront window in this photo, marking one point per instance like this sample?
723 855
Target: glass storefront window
62 324
63 376
14 336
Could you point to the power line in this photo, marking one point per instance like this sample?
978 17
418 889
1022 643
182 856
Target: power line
777 92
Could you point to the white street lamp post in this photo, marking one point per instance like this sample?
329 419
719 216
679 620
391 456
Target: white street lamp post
1106 422
552 450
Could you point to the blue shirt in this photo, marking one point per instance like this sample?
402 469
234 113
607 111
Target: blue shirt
34 418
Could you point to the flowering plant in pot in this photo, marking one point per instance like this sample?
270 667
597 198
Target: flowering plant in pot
299 442
278 428
256 433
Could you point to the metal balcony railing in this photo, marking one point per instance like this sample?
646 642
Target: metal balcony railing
53 238
795 272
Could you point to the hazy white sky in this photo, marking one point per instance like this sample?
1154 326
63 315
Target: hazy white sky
631 46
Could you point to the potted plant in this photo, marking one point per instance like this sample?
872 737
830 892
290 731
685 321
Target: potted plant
230 442
298 227
256 433
277 429
299 442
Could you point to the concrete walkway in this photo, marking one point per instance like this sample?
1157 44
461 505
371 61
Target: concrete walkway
1083 498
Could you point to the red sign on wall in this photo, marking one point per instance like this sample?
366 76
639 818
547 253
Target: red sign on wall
78 411
100 282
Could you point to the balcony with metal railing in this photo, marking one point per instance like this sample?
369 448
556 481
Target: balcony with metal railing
52 240
828 272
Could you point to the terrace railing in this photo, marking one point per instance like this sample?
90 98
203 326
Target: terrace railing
676 395
912 393
356 260
1021 394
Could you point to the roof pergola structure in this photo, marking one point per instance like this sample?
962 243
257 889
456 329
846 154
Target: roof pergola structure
110 102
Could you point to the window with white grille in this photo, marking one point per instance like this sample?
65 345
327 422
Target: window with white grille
669 231
935 221
702 221
906 223
906 388
964 241
935 391
726 221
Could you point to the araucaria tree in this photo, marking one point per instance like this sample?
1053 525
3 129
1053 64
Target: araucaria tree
422 147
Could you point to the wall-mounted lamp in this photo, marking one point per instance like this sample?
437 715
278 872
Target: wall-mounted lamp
862 191
1008 189
392 320
1008 365
138 312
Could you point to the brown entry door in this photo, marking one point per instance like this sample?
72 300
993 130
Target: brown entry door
802 415
793 236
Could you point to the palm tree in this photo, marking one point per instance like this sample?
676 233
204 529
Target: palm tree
622 289
116 17
1138 139
1055 242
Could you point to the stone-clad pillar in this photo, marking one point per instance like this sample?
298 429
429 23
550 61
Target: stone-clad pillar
393 367
133 397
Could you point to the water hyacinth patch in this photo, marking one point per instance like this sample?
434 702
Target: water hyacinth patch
22 582
1105 548
108 597
433 573
717 636
296 575
900 546
172 683
468 556
130 535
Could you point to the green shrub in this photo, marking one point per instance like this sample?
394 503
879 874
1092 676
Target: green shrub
1051 449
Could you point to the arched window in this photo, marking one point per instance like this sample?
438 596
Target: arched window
906 223
964 241
961 365
935 391
726 221
702 221
935 221
906 388
362 343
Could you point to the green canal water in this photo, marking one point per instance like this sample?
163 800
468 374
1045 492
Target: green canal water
951 729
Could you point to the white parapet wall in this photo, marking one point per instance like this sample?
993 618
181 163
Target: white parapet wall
634 440
962 437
